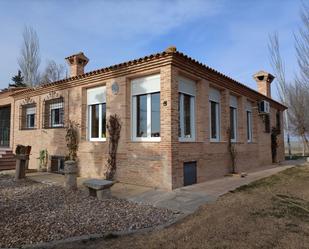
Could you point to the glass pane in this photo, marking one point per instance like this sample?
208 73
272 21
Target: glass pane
232 122
30 120
155 115
248 125
179 118
187 115
103 120
55 113
141 116
94 121
213 119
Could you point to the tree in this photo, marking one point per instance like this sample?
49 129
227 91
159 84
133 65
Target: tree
53 72
29 60
294 94
18 80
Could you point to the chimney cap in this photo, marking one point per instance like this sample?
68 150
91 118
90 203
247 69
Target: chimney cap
77 57
263 76
171 49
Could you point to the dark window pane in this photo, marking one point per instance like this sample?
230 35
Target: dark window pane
179 118
103 120
248 125
55 114
213 119
155 115
30 119
141 116
232 121
187 115
94 121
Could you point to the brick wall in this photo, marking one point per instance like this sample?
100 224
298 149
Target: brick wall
157 164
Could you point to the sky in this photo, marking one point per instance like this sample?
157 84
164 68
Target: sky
230 36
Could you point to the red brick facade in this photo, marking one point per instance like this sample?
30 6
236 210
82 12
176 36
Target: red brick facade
158 163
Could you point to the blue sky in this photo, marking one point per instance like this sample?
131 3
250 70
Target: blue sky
230 36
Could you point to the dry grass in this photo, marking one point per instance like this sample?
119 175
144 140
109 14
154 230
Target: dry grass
269 213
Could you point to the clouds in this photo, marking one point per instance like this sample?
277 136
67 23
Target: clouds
230 36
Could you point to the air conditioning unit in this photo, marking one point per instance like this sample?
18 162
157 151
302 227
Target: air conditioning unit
264 107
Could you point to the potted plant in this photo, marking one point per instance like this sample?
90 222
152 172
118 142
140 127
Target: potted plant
70 165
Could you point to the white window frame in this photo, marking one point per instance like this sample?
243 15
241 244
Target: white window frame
249 122
55 107
182 137
215 96
249 126
92 100
186 87
233 104
30 111
144 86
100 138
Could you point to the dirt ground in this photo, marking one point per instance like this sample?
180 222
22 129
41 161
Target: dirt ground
270 213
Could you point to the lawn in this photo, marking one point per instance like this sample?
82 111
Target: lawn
269 213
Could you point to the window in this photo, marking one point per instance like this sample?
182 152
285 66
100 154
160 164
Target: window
249 121
278 121
186 108
96 101
233 118
146 108
53 113
28 116
214 110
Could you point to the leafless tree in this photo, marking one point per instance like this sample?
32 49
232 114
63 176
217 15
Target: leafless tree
29 60
294 94
53 72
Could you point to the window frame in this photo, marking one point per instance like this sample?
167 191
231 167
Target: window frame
48 106
234 110
24 116
182 137
249 126
149 112
100 101
218 125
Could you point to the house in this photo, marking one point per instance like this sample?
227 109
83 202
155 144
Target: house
174 110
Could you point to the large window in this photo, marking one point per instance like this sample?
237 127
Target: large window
28 113
249 121
146 108
214 114
96 101
187 89
54 113
233 118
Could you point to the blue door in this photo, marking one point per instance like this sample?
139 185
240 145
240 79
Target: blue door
189 173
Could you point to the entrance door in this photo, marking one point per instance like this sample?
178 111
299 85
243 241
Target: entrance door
189 173
5 126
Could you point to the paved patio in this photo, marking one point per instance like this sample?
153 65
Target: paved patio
186 199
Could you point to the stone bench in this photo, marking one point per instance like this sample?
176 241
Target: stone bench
99 188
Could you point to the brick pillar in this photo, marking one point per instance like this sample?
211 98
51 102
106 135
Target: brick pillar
169 126
201 108
241 120
225 114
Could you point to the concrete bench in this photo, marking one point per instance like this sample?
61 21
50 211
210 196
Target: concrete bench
99 188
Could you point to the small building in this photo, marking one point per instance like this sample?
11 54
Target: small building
175 113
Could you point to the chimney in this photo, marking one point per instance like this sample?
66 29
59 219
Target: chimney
77 63
263 80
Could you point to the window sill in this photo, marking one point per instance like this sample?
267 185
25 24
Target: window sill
97 140
27 129
186 140
147 139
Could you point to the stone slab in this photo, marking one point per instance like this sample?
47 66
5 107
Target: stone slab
98 184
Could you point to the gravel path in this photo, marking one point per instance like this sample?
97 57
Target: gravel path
32 212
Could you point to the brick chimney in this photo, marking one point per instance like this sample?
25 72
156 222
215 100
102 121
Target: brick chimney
77 63
263 80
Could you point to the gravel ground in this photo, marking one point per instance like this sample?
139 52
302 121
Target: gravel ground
32 212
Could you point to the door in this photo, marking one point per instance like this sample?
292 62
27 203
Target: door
189 173
5 126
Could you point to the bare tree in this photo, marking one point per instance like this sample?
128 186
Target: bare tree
294 94
29 60
53 72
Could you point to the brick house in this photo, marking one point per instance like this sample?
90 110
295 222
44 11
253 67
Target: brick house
174 112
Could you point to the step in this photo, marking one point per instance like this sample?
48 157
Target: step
7 167
7 156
